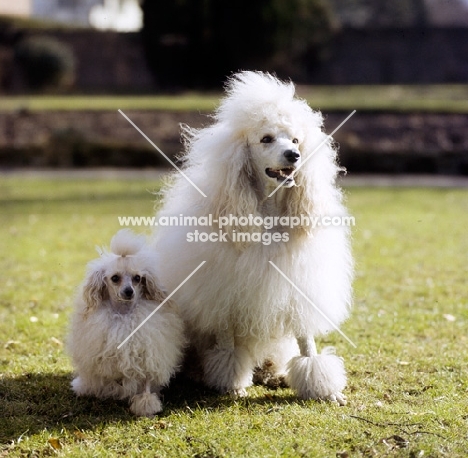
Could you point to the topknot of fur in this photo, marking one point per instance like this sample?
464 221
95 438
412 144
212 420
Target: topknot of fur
252 97
126 243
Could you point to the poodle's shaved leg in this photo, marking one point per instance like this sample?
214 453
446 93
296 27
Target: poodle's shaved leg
146 404
228 367
148 385
307 346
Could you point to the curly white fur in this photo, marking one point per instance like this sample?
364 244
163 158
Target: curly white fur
120 291
239 310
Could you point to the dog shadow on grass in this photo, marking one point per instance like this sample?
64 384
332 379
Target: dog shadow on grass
35 402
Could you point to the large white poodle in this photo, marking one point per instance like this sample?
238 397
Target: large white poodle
266 288
120 292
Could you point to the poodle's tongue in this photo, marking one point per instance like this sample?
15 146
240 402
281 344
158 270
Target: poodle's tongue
282 175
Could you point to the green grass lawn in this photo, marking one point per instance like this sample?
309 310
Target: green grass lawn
408 377
426 98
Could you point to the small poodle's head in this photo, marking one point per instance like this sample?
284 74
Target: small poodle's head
122 277
123 282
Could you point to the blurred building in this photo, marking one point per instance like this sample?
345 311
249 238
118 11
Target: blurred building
120 15
400 13
75 12
15 8
443 13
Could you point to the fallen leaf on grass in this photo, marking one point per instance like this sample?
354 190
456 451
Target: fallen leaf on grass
395 441
162 425
449 317
11 344
56 341
79 435
55 443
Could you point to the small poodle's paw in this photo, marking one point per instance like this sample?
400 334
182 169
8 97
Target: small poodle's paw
80 387
228 370
145 405
238 393
318 377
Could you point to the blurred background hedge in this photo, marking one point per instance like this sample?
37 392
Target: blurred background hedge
199 42
45 63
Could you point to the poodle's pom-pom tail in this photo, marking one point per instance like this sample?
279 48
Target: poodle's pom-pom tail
320 376
127 243
145 404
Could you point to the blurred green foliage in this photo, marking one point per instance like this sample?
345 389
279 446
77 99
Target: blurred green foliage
45 62
199 42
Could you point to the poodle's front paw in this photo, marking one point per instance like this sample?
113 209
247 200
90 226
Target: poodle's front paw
340 398
80 387
228 370
145 405
318 377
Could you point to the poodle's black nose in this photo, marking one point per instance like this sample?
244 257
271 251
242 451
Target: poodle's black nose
292 155
128 292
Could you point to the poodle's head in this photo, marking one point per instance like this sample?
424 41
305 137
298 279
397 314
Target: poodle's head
278 129
275 153
263 138
122 277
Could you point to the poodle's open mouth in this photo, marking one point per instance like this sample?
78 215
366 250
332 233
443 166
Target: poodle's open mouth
282 175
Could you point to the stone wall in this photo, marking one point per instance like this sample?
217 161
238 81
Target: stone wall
368 142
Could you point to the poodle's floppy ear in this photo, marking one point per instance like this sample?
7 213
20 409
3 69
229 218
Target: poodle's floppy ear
316 192
236 181
151 290
94 289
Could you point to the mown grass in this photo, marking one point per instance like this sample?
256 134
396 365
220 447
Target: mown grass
408 377
400 98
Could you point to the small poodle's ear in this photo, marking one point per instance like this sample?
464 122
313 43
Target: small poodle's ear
151 290
94 289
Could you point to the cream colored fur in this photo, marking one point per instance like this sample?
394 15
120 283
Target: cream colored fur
237 307
105 316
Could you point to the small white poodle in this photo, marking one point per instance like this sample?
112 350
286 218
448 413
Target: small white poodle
272 280
120 291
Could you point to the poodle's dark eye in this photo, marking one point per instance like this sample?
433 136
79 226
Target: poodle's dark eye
136 279
115 278
266 139
295 140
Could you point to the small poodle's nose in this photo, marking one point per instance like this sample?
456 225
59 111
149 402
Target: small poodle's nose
128 292
292 155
